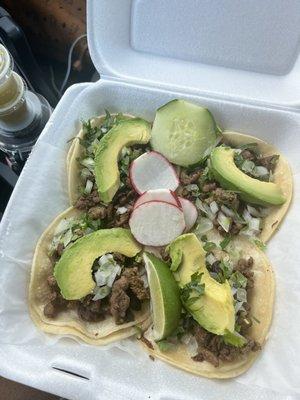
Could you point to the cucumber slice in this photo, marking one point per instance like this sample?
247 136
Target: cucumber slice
183 132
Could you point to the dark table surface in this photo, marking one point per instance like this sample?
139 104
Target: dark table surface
15 391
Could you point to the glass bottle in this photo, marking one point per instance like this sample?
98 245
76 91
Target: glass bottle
23 114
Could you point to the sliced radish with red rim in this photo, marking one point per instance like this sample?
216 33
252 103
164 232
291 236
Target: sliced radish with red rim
156 223
152 171
189 211
158 195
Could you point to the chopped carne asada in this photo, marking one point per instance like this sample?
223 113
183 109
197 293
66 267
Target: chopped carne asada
89 200
119 291
223 207
209 346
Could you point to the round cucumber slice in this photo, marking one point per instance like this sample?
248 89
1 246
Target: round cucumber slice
183 132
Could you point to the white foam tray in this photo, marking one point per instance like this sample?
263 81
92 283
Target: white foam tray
114 374
249 85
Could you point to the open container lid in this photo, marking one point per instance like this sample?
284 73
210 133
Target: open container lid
236 49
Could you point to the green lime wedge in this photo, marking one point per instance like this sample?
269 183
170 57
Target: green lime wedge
165 297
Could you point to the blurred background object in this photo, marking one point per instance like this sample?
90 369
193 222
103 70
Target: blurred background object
47 41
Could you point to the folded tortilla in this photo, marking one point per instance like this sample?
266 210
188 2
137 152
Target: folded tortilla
68 322
73 166
261 301
282 177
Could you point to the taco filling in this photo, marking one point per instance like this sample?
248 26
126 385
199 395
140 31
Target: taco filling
203 345
226 304
234 183
120 284
116 213
225 209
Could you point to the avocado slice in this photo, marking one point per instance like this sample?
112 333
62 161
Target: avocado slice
73 271
214 309
126 133
231 177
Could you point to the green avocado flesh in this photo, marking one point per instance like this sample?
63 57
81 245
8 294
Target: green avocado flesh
213 310
183 132
126 133
231 177
73 271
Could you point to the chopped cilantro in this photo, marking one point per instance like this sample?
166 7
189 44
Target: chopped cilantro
193 287
238 280
225 242
261 245
208 246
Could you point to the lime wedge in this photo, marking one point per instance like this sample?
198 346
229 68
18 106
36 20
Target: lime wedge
165 297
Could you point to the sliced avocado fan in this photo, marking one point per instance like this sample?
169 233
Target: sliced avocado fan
126 133
213 309
231 177
73 271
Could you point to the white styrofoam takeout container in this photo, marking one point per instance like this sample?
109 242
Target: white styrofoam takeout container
239 59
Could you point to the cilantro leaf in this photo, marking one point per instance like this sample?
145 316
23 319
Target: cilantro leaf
225 242
193 287
238 280
208 246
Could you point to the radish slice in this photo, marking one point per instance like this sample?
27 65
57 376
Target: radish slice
189 211
158 195
156 223
152 171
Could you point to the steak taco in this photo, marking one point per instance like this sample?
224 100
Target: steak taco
227 299
239 184
88 282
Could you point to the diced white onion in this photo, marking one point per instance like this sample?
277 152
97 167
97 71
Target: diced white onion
88 163
210 258
233 290
205 208
185 338
227 211
88 187
203 226
121 210
64 225
101 292
105 259
214 207
246 215
67 237
85 173
241 295
253 211
192 347
260 171
111 278
254 224
192 187
107 271
145 280
239 306
248 166
224 221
